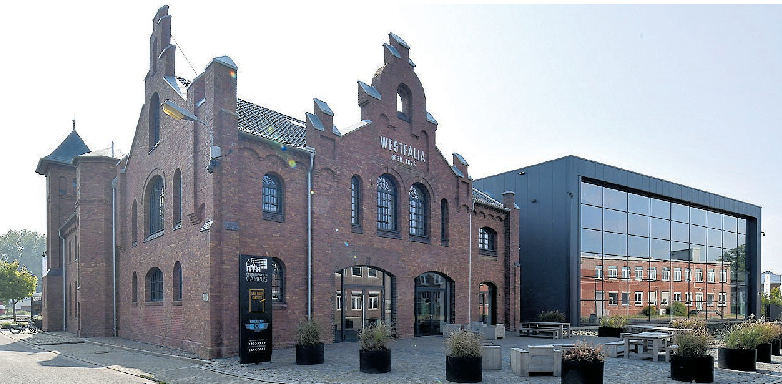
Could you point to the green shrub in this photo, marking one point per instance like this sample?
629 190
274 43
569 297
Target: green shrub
649 310
463 343
308 332
692 344
584 352
678 308
743 336
553 316
375 337
688 323
614 321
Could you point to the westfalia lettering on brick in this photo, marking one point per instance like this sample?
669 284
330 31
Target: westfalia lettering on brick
404 150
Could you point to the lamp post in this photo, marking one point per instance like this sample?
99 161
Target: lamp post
179 113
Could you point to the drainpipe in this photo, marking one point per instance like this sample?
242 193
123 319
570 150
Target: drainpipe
114 252
309 232
64 282
469 279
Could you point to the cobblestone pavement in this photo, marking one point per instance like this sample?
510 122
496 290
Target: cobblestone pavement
416 360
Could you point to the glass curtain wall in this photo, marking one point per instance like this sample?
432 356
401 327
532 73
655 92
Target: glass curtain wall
645 257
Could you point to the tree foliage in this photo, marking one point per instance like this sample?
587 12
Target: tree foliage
24 246
16 282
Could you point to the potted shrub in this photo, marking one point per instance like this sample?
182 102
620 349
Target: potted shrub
691 360
374 355
463 361
768 333
309 348
740 351
583 364
776 342
611 326
553 316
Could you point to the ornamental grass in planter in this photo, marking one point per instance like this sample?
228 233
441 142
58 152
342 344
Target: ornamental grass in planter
611 326
583 364
463 360
691 360
309 347
553 316
741 341
374 355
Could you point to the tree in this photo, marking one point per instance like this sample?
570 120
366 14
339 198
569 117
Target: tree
16 283
25 246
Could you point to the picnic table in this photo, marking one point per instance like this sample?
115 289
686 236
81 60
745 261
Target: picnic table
555 329
649 344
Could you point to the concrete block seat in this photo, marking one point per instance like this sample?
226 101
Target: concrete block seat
491 357
545 358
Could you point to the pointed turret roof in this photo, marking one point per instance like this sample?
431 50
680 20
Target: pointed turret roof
71 147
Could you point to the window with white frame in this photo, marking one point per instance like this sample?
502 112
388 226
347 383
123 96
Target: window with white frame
710 299
698 275
652 273
677 296
677 274
722 299
665 297
639 273
356 300
666 274
686 274
723 276
625 298
371 272
599 272
612 272
355 271
698 301
639 298
613 298
652 297
338 301
373 300
626 272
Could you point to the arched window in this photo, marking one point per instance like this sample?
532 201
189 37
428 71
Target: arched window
487 241
155 206
278 281
154 284
403 109
444 222
177 281
418 210
386 204
134 223
272 197
177 199
154 120
134 288
355 202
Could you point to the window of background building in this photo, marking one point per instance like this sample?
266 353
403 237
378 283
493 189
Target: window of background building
612 272
653 273
599 272
639 273
626 273
356 301
613 298
639 298
154 285
338 300
487 241
373 301
677 274
356 271
355 202
625 298
155 206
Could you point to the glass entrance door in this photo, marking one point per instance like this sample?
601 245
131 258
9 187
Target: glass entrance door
433 303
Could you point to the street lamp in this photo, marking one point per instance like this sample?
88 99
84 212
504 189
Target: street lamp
179 113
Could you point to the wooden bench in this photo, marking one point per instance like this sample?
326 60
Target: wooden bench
537 359
614 348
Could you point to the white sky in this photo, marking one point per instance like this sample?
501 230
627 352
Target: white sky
690 94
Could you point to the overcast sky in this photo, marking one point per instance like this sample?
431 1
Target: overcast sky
689 94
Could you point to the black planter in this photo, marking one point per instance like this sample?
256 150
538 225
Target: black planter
608 332
775 346
374 361
699 369
764 353
309 354
738 359
464 369
582 372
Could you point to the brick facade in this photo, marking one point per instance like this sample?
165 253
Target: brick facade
218 214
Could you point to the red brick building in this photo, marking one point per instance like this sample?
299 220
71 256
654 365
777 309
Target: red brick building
364 223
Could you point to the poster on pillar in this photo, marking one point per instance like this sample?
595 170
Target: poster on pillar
255 309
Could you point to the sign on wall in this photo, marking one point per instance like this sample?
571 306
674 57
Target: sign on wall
255 309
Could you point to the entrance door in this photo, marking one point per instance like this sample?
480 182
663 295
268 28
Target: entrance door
363 296
433 303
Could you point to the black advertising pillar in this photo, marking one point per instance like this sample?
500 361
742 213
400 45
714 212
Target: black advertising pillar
255 309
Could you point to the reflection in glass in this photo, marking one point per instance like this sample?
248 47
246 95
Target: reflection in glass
661 249
729 240
638 225
592 194
698 216
680 213
614 221
591 217
680 232
615 199
638 246
714 219
614 244
637 204
591 241
731 223
742 225
661 228
661 209
680 251
714 254
697 235
714 238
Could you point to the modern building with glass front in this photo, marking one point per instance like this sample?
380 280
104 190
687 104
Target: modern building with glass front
597 240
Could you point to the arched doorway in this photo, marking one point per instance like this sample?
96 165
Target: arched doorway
434 298
364 295
487 303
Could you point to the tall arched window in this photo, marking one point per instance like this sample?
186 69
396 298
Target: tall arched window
278 281
487 241
177 281
134 223
272 197
418 211
155 206
177 199
386 204
154 120
444 222
154 283
355 202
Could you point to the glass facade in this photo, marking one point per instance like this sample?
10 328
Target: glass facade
634 233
